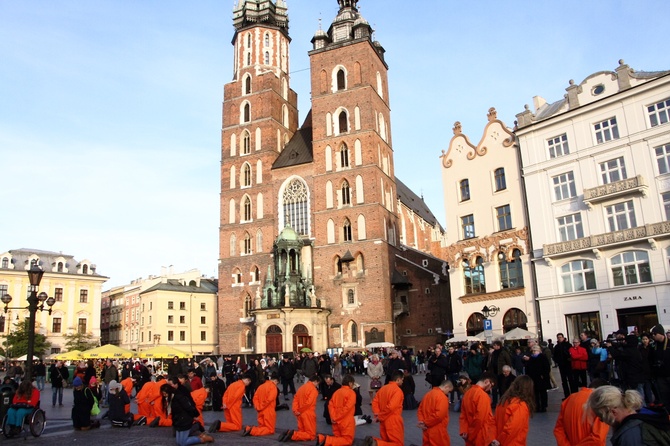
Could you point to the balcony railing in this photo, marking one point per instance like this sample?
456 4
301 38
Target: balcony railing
615 190
594 242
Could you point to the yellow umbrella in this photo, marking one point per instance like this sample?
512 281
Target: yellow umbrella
163 351
72 355
108 351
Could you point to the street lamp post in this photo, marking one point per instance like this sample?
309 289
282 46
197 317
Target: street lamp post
35 302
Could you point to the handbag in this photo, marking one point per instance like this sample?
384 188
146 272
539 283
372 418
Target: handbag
375 384
95 410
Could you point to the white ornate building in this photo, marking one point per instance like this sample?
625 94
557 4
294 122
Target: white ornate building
597 170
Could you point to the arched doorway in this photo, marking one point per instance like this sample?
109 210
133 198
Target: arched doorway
301 338
475 324
273 339
514 318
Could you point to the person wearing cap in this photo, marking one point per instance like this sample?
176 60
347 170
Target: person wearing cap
119 406
660 364
387 410
83 402
433 415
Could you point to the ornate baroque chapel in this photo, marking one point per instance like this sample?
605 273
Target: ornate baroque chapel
320 245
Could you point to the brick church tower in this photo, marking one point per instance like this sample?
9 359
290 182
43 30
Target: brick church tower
309 242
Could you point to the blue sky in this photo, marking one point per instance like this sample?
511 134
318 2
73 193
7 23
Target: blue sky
110 111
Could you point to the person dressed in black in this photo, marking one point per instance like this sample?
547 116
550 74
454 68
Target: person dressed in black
58 375
287 374
216 389
437 367
538 369
562 359
408 388
83 402
118 398
229 370
328 387
184 413
89 372
40 372
395 363
629 360
175 368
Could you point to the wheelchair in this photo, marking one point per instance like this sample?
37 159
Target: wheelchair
34 422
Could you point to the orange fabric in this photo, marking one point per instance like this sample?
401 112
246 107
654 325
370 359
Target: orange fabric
512 423
434 413
165 419
476 419
199 396
574 428
304 408
34 399
265 401
148 394
387 406
127 385
232 410
341 408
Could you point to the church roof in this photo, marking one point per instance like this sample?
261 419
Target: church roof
299 148
415 203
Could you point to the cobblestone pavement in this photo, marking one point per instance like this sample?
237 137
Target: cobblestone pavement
59 428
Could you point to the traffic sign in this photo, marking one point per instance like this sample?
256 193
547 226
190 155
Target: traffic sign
488 325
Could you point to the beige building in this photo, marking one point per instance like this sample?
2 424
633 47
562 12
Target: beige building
75 285
487 232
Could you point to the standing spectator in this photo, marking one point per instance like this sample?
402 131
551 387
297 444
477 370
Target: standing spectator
454 367
597 363
229 369
477 425
324 367
498 359
421 359
562 359
217 389
375 372
578 360
629 359
174 368
474 363
660 364
58 375
645 353
337 369
328 387
538 369
387 410
286 375
395 363
109 373
89 372
437 367
408 388
548 352
517 405
517 360
309 366
574 427
40 371
505 380
433 415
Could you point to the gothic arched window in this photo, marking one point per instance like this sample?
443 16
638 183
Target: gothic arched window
341 80
346 231
346 193
246 143
296 206
246 209
344 155
344 121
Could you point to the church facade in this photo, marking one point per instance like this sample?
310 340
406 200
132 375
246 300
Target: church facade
320 245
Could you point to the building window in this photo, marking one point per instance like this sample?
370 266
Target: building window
343 124
182 319
182 305
474 276
558 146
266 40
170 305
170 319
170 335
256 275
511 272
203 335
203 306
346 229
504 217
341 84
247 244
354 332
60 267
666 204
499 176
606 130
247 113
246 175
182 335
58 294
246 143
83 296
346 193
474 324
351 298
613 170
663 158
465 189
564 186
81 325
266 58
468 226
203 320
621 216
578 275
56 325
246 209
570 227
247 85
5 263
296 208
514 318
658 113
344 156
630 267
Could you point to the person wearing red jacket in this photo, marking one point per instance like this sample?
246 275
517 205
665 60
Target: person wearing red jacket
387 409
477 425
232 407
579 359
574 427
26 399
304 409
512 414
265 402
433 415
342 407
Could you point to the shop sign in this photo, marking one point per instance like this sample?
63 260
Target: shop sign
627 298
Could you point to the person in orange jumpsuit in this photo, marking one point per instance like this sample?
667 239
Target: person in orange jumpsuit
148 396
433 415
232 406
265 402
163 418
304 409
128 385
573 427
513 412
477 425
341 408
387 410
199 397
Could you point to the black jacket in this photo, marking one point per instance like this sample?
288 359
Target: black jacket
630 361
117 405
58 375
562 355
286 370
183 410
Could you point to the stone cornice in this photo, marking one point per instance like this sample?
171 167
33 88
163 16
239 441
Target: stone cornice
615 190
486 247
502 294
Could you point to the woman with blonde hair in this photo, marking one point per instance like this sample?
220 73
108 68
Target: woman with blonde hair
515 408
375 372
620 409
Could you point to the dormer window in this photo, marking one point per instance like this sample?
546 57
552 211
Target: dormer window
84 269
5 263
